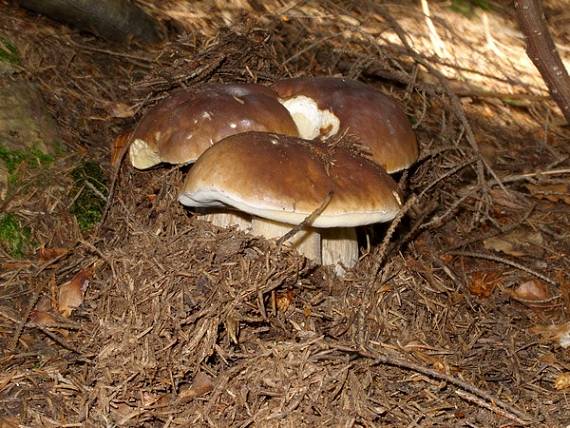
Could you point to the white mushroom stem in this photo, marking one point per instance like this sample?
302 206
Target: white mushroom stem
339 248
226 218
307 241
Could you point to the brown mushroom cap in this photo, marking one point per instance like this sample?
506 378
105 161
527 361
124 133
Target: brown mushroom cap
285 179
372 117
184 125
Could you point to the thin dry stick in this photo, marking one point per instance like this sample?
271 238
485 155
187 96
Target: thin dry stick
307 221
502 230
110 196
365 308
382 252
436 41
447 174
397 362
490 406
57 339
23 321
491 45
512 178
504 261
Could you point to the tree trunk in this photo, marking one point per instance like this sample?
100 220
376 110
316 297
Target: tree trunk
542 51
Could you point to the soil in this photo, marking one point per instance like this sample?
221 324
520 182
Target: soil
142 314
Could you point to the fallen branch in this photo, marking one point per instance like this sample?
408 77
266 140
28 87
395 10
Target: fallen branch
378 359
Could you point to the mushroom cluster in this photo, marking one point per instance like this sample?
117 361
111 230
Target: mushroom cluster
269 158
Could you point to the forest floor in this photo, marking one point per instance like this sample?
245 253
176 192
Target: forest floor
462 318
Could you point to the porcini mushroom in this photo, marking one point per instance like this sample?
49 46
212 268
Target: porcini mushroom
325 106
281 180
180 128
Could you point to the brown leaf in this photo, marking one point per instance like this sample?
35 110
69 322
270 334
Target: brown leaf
71 293
120 110
6 266
284 300
42 318
482 284
559 334
9 422
47 254
562 381
506 200
119 147
201 385
516 243
531 290
551 192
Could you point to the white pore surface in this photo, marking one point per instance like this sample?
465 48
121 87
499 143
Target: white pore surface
215 198
141 156
310 120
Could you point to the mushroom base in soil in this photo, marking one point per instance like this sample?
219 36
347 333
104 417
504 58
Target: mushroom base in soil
285 179
226 218
307 241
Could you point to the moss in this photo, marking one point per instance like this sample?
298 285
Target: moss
91 184
14 237
35 158
8 52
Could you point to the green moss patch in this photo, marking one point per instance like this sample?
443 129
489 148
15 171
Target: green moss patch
14 238
35 158
8 52
90 186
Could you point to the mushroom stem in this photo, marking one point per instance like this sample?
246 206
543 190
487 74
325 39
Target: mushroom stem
339 248
307 241
224 218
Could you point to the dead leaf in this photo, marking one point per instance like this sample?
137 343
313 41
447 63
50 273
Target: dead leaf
482 284
47 254
531 290
284 300
562 381
9 422
559 334
516 243
551 192
120 110
231 324
119 147
201 385
506 200
70 295
42 318
149 399
6 266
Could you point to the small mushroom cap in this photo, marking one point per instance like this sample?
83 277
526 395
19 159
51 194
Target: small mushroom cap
180 128
285 179
372 117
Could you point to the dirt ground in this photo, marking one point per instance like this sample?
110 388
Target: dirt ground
457 315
